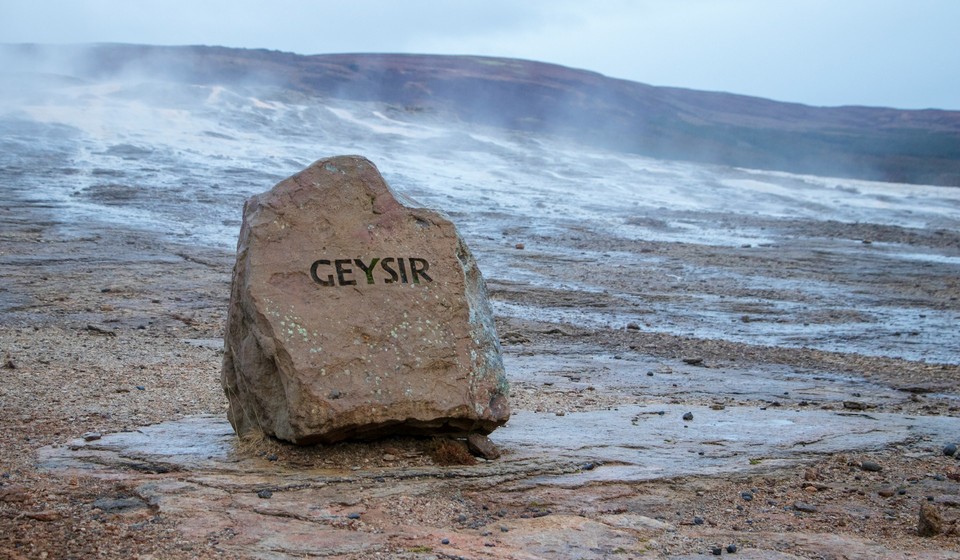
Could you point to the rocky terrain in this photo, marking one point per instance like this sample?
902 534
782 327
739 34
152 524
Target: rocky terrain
703 359
115 442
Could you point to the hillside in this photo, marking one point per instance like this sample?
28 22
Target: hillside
913 146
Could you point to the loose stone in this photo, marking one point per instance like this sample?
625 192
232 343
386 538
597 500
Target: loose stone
747 496
870 466
481 446
930 523
264 494
731 548
805 507
688 416
950 449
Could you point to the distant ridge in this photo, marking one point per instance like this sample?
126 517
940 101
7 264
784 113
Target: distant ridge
911 146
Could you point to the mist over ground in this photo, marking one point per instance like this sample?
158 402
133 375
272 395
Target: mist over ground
703 355
173 140
917 146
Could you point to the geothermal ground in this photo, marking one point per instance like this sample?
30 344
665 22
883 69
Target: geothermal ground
700 357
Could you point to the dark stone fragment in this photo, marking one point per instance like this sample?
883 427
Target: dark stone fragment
870 466
688 416
264 494
112 505
746 496
698 521
854 405
805 507
271 457
445 541
717 551
732 548
353 516
950 449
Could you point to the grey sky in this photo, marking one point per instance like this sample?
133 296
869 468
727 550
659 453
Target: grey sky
899 53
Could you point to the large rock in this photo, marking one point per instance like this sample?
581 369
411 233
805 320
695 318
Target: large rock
353 315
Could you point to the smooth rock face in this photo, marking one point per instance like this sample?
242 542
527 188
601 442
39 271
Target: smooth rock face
353 315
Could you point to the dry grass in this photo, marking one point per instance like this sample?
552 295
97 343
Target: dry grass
448 452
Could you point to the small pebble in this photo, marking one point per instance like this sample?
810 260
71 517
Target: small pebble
698 521
141 388
950 449
353 516
688 416
732 548
445 541
264 494
747 496
91 436
717 551
805 507
870 466
271 457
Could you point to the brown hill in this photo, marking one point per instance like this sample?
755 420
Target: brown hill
915 146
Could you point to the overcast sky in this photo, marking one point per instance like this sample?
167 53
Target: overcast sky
897 53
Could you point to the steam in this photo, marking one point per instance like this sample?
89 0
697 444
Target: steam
163 146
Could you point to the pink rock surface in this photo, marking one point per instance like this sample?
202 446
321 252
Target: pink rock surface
353 315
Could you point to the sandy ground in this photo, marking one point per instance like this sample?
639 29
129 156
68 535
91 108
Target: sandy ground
105 331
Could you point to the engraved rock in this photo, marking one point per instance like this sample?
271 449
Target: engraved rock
354 315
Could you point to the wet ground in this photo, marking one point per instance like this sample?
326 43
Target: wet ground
806 325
